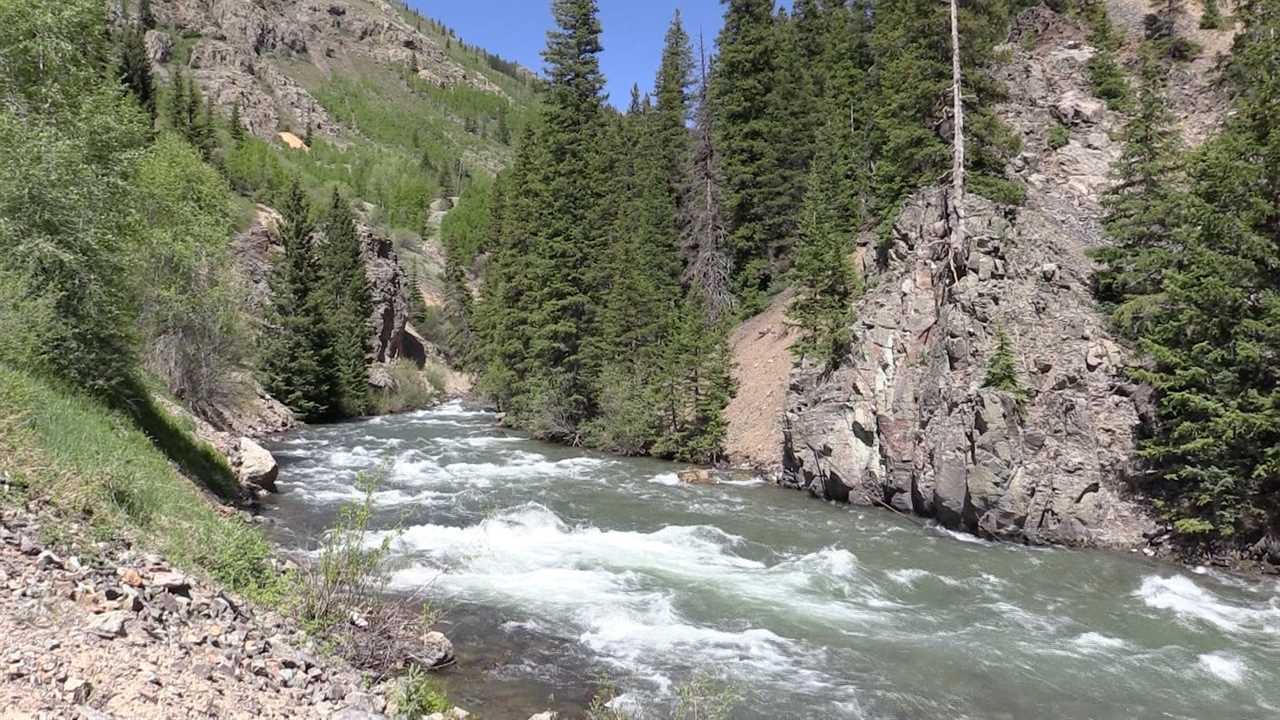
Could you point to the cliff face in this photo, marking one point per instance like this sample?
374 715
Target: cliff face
252 53
906 422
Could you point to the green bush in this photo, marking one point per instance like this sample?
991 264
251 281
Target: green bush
350 572
998 190
410 389
1059 137
417 695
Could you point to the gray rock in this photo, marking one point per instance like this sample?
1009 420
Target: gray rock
904 421
436 651
349 713
109 625
258 468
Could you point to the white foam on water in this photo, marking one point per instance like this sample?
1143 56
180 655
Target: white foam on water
1223 666
669 479
957 535
1189 601
756 482
1092 641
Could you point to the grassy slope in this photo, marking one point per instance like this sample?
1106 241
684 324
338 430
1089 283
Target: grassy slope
92 463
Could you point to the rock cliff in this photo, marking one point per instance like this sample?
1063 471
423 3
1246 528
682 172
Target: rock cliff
906 423
251 53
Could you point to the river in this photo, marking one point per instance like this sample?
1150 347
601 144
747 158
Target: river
560 569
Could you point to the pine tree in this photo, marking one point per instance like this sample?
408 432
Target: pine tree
344 288
1144 205
1214 336
750 139
178 104
826 285
146 18
503 133
704 236
565 264
1211 17
1002 370
135 71
297 364
236 125
672 104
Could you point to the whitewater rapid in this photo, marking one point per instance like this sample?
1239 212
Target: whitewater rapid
564 568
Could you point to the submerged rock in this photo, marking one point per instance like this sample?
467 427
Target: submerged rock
696 477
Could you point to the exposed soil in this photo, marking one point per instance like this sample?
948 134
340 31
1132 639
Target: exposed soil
762 365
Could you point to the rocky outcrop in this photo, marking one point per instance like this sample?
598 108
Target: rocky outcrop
906 422
388 288
241 53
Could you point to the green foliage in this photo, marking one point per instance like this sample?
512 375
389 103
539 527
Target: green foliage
705 697
350 570
70 450
347 307
417 695
1059 137
135 70
826 284
297 353
189 324
409 388
1195 271
1002 369
1211 17
1106 78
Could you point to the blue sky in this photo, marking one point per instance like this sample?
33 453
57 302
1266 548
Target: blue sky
633 32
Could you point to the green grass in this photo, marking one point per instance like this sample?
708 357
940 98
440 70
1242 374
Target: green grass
97 464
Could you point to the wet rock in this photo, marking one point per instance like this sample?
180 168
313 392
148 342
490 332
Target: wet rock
436 651
696 477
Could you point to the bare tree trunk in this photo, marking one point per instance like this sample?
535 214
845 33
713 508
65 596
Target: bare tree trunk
957 168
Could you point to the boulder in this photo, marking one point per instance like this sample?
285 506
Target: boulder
258 468
436 651
1074 108
108 625
696 477
159 46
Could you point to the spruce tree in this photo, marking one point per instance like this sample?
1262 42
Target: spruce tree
1002 370
296 362
1211 17
178 104
344 288
135 71
672 104
751 142
146 17
704 235
236 125
825 283
1144 204
565 262
1214 335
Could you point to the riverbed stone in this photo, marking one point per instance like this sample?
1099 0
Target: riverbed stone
258 468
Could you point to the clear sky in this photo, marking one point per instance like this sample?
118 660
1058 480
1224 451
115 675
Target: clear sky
633 32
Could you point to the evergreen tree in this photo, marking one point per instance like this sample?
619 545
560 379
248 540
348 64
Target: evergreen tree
178 104
1002 370
1144 205
236 125
672 104
344 288
135 71
1211 17
704 236
1214 335
146 18
826 285
297 363
750 139
565 256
